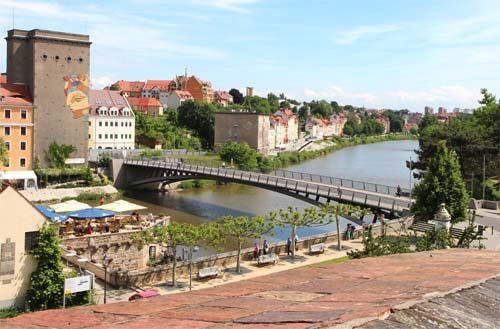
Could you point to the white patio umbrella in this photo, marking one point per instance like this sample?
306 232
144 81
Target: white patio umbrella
70 205
121 206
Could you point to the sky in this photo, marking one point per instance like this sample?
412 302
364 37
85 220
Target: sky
372 53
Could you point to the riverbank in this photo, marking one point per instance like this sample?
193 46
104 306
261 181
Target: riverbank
49 194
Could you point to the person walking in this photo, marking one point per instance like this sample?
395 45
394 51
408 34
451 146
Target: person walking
398 191
296 242
265 247
353 232
255 251
289 246
348 232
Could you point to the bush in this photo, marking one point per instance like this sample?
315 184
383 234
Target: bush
151 153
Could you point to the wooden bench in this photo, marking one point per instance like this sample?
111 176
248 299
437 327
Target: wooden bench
424 227
208 272
268 259
317 248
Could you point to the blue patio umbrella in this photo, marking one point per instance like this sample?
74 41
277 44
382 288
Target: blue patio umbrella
90 213
50 214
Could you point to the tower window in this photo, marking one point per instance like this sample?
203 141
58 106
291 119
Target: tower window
68 59
44 56
57 57
80 60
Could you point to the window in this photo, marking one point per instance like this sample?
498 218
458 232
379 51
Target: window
30 240
6 131
100 136
22 162
106 124
90 136
129 135
7 145
121 136
122 123
116 136
116 124
23 131
24 114
100 123
90 123
6 114
22 146
6 163
105 136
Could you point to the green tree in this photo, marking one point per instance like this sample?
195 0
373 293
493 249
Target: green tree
171 235
273 101
47 282
199 117
427 120
257 104
294 218
442 183
243 228
242 155
238 97
4 153
114 87
57 154
338 210
321 109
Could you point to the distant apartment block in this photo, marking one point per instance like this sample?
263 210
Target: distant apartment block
111 121
148 106
290 126
325 128
238 127
129 88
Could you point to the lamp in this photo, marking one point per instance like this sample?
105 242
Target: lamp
191 250
105 263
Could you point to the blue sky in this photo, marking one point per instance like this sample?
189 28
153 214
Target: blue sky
374 53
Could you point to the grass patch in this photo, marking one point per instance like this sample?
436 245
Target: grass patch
10 313
329 262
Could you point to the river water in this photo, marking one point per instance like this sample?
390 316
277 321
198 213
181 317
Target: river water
382 163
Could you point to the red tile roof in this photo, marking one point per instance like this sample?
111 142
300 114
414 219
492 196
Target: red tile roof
130 86
222 95
163 85
106 98
14 94
144 101
183 94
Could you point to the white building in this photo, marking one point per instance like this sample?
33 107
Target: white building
177 97
158 89
111 121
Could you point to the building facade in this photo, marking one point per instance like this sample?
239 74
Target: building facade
159 89
238 127
223 98
129 88
16 130
55 67
177 97
200 90
20 222
149 106
112 121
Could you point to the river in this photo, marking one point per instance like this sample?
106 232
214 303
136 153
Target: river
382 163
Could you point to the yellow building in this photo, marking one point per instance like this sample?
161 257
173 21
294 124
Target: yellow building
20 222
16 130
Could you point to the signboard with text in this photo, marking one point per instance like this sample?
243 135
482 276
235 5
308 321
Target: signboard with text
80 283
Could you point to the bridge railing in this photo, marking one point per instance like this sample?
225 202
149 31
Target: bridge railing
359 185
321 187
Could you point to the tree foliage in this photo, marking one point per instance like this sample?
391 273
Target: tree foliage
47 282
242 228
238 97
257 104
242 155
200 118
442 183
57 154
4 153
337 210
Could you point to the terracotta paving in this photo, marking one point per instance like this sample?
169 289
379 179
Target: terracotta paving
310 297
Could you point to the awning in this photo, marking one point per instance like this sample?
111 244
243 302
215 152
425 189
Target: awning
70 205
50 214
121 206
90 213
24 174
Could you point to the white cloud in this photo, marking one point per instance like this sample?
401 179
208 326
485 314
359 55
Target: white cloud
231 5
446 95
101 82
350 36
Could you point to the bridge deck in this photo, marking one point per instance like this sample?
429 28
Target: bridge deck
306 189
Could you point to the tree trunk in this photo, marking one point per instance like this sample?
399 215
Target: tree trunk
294 234
238 257
174 267
338 232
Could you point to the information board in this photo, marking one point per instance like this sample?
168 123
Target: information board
80 283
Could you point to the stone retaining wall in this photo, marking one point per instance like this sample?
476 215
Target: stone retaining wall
163 273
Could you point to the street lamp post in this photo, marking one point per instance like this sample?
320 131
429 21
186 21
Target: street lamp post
105 263
191 250
410 180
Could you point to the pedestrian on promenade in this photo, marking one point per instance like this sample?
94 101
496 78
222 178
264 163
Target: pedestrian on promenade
289 246
398 191
265 247
353 232
255 251
296 242
348 232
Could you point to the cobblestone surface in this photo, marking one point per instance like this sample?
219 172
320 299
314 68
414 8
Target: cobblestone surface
321 296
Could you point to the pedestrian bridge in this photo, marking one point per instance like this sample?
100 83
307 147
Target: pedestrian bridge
315 189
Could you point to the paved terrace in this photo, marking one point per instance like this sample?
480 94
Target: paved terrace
349 294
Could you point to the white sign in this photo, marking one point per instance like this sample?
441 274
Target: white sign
80 283
74 161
